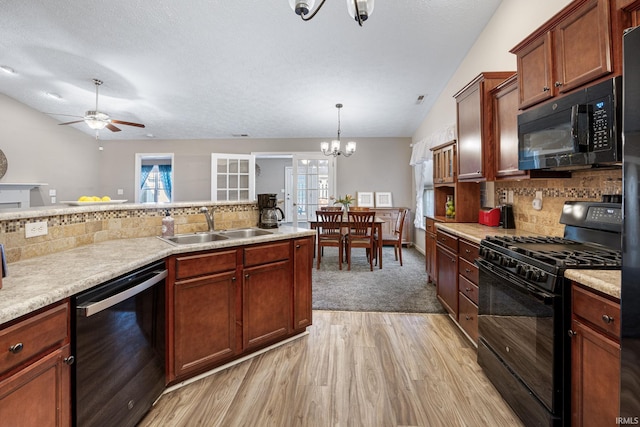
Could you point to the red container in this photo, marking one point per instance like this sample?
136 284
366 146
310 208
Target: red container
489 216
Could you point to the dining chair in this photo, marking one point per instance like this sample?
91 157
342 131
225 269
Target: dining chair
329 233
395 238
361 235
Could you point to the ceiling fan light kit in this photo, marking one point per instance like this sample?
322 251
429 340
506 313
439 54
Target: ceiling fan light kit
98 120
333 149
360 10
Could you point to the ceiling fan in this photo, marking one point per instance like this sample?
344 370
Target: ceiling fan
98 120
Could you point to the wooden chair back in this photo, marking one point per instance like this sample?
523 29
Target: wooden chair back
329 224
361 224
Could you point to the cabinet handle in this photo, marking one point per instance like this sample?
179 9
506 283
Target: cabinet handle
467 317
246 276
453 260
69 360
467 251
233 279
466 270
571 333
557 84
478 171
297 246
607 319
546 89
467 289
16 348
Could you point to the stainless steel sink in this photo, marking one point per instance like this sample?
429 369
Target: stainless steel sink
193 238
245 233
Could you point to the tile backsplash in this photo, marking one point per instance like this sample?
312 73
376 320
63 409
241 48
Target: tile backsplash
585 185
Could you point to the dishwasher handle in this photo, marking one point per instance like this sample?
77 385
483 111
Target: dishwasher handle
92 308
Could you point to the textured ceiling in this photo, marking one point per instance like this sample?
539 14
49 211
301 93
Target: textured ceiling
195 69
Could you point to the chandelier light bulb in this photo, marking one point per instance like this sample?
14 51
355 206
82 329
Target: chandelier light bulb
334 148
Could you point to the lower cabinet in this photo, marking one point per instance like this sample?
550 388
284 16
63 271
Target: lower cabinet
595 359
229 302
35 376
457 282
447 265
430 249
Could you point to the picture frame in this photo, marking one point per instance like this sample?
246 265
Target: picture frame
383 199
365 199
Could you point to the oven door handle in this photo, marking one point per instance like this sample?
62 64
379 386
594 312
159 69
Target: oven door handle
92 308
515 281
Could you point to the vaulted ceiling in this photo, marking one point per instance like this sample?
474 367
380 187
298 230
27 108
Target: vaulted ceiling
195 69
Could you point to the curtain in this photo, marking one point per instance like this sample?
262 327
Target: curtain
165 176
145 170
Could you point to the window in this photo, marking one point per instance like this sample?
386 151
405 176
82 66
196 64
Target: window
232 177
156 188
154 178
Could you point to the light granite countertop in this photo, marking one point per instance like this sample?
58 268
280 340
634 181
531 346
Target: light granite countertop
605 281
37 282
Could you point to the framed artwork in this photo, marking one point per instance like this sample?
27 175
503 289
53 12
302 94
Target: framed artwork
365 199
383 200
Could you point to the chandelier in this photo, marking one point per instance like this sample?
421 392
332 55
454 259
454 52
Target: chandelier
357 9
334 148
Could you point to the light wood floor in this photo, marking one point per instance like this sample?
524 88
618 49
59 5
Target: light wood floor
353 369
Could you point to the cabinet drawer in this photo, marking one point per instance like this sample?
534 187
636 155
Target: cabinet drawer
468 250
468 270
598 311
469 289
33 336
468 317
202 264
430 225
447 240
264 254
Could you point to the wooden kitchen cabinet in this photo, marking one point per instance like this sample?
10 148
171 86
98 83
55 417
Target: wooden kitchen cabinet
466 195
580 44
468 287
35 382
595 358
302 273
445 165
447 264
205 297
227 303
266 287
474 108
505 112
632 7
430 249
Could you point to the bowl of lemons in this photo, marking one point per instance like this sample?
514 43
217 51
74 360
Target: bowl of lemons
92 200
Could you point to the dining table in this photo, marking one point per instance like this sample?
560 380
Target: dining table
377 226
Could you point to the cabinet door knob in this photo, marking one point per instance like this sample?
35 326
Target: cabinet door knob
453 260
571 333
607 319
297 246
467 289
546 89
557 84
69 360
16 348
466 270
246 275
467 251
233 279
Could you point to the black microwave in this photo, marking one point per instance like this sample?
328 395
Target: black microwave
582 129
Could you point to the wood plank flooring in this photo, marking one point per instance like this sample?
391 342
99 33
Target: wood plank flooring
352 369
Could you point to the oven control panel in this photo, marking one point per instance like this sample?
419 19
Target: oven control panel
609 215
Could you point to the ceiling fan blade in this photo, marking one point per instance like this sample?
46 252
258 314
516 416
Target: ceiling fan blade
112 128
127 123
70 123
66 115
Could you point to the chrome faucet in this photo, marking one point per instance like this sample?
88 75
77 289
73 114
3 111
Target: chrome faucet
208 217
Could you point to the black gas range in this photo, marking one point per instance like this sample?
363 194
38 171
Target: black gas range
524 307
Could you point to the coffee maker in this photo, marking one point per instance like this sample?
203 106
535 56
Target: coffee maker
270 214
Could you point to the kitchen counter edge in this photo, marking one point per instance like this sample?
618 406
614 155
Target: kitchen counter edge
605 281
38 282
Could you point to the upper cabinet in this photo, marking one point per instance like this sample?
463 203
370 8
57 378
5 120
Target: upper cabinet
505 112
475 127
444 163
580 44
633 7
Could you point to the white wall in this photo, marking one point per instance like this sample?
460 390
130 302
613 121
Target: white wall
513 21
39 150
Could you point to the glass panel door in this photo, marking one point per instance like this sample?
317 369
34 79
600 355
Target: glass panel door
232 177
313 183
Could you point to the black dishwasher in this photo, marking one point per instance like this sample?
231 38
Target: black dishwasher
119 345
